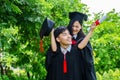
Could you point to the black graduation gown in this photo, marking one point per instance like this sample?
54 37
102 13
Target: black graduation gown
54 65
88 70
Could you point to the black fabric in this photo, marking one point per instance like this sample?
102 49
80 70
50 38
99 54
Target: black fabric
54 65
88 70
77 16
46 27
80 64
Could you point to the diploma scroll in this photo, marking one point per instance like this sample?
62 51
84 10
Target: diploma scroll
97 22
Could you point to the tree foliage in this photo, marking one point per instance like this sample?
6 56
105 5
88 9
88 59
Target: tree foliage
20 22
106 43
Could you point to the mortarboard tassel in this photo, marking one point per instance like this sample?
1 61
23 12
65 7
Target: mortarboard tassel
65 64
41 46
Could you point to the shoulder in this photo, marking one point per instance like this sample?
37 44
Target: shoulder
75 48
51 52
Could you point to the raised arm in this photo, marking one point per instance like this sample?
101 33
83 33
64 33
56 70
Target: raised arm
53 42
84 42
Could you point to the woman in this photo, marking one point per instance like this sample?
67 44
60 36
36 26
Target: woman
75 28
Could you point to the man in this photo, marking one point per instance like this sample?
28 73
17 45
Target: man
64 63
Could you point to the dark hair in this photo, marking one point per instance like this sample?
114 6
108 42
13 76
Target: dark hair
80 33
59 30
77 16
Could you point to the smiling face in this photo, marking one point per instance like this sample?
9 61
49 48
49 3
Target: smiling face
64 38
76 27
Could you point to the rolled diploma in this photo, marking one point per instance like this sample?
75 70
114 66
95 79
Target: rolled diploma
97 22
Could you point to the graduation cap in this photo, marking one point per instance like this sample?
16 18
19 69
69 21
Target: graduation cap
76 16
45 30
73 16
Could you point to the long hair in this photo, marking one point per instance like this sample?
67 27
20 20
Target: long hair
80 33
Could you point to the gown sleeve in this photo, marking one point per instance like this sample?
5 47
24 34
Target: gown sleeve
88 55
88 62
49 55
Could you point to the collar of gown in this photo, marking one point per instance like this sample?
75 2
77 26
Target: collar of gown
64 51
75 36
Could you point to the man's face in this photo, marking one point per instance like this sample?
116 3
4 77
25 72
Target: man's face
76 27
64 38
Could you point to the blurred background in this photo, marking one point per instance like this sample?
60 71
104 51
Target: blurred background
20 23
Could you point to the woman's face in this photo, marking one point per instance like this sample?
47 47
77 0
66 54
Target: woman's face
76 27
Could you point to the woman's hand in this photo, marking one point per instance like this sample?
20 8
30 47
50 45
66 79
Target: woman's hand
92 27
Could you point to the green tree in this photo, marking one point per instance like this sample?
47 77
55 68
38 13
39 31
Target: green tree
106 43
20 21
